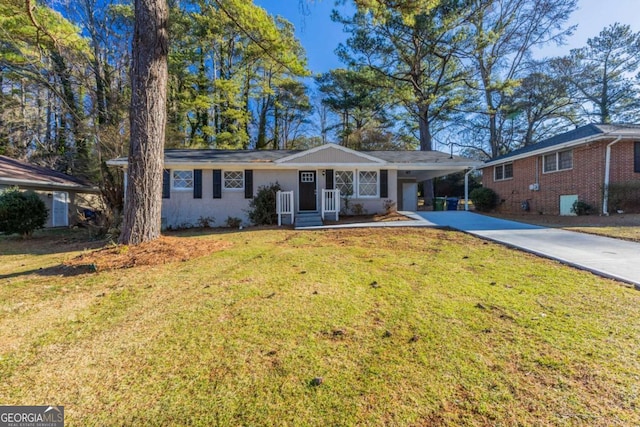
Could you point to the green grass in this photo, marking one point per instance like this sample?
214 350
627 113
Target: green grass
631 233
455 331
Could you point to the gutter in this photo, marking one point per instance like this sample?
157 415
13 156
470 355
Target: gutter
551 149
607 171
49 184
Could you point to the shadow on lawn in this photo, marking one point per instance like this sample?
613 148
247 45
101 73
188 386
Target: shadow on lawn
56 270
48 242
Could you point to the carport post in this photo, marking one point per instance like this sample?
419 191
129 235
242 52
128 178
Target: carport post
466 188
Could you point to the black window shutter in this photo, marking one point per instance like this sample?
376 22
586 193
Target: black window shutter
248 184
384 183
197 184
329 179
217 184
166 183
636 157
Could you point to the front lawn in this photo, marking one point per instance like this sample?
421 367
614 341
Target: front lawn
335 327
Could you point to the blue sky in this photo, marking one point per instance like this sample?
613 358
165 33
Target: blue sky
320 36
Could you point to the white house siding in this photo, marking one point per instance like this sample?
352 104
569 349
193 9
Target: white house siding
288 179
182 210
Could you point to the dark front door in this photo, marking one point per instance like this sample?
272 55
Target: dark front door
308 192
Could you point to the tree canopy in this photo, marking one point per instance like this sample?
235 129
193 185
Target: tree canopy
421 74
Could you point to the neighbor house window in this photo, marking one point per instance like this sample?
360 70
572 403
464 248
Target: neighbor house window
344 182
502 172
182 180
367 183
233 180
562 160
636 157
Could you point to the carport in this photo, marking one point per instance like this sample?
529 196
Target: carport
418 166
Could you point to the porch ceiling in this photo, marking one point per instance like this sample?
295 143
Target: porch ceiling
423 175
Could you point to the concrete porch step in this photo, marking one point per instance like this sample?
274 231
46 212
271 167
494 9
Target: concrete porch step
308 219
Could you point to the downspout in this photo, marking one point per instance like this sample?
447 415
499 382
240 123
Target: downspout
466 188
607 170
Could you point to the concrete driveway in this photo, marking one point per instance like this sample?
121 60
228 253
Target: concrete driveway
605 256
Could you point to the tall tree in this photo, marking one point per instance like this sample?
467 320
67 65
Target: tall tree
148 119
226 59
291 109
412 49
360 103
503 32
540 106
39 57
603 74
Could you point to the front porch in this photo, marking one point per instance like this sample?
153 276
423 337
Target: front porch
287 214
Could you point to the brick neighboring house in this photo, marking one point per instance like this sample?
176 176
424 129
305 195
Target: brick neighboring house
548 177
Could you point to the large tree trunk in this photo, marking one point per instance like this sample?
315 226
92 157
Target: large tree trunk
148 119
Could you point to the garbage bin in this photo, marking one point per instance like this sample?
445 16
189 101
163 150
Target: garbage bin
452 203
438 203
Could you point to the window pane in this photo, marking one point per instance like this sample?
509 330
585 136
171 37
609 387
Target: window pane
307 177
498 172
233 180
344 182
565 160
550 162
182 179
368 183
508 170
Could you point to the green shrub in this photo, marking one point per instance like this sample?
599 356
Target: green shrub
581 208
206 221
21 212
233 222
358 209
625 196
389 206
484 199
262 209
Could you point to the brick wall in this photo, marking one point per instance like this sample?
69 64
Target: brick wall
585 179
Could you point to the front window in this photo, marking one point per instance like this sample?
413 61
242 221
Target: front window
182 180
233 180
368 184
559 161
344 182
502 172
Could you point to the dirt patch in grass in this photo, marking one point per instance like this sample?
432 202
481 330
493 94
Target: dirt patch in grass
160 251
355 219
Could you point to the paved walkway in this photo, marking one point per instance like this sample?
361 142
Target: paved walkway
605 256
